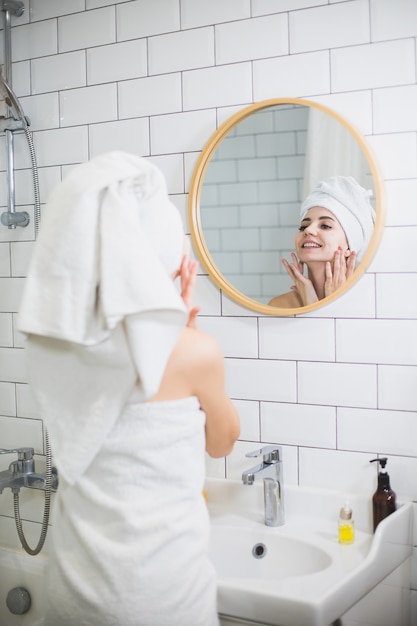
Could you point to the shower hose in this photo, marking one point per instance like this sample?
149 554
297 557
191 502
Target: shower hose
48 472
47 507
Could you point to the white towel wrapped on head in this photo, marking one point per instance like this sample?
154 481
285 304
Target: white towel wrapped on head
350 204
100 277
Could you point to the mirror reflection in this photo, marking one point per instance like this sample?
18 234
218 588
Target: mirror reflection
336 224
248 188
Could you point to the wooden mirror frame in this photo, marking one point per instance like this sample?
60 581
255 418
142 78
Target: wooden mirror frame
194 216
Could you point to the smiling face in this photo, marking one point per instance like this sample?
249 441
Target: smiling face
320 235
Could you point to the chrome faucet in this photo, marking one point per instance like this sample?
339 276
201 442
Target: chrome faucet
21 473
271 471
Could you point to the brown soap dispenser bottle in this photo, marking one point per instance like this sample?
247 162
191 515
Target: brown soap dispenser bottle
383 500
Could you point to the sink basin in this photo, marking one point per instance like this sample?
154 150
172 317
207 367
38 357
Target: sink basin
263 555
298 573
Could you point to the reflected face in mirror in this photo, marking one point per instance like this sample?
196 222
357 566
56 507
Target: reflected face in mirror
337 222
249 184
321 247
320 235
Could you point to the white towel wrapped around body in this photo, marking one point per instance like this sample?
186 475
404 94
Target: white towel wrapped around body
129 540
146 563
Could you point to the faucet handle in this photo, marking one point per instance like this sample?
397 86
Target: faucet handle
270 454
23 454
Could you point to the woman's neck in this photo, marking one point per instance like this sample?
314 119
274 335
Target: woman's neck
317 275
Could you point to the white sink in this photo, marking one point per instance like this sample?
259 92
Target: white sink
303 576
239 552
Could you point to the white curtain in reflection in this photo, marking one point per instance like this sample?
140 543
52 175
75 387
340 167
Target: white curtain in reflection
331 150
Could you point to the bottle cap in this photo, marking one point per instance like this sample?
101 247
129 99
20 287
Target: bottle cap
346 512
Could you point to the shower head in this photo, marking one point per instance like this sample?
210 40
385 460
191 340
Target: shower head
12 101
15 7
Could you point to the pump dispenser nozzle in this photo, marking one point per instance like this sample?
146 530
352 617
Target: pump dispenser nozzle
382 461
384 500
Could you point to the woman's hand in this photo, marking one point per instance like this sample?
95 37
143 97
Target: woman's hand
302 285
187 273
341 271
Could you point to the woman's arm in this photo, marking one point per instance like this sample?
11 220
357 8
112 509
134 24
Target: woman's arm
203 360
222 420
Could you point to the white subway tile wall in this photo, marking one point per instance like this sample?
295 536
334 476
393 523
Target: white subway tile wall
257 38
298 75
88 105
142 19
339 384
130 135
195 14
6 330
119 61
44 9
400 207
388 146
4 259
61 71
393 21
218 86
387 101
22 158
34 40
355 106
319 28
171 52
379 63
7 391
21 253
395 253
43 109
335 387
61 146
86 29
11 291
13 430
288 339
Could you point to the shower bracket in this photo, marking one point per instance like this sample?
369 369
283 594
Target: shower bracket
11 219
14 7
8 123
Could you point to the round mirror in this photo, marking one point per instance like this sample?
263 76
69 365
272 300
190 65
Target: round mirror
247 188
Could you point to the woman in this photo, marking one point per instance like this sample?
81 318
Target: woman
132 394
337 221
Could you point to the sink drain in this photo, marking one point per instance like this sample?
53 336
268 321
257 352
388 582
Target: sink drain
259 550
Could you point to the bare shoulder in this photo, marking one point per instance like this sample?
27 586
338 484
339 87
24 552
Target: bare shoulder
289 300
198 350
197 340
195 359
196 367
